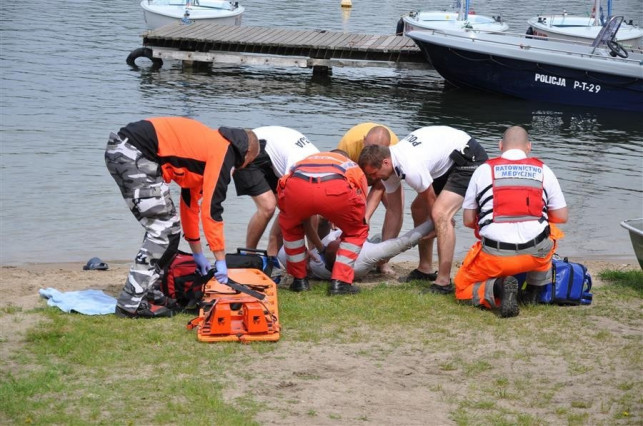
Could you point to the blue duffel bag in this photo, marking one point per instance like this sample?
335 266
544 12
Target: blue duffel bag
571 284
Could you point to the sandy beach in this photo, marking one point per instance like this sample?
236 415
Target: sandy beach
23 283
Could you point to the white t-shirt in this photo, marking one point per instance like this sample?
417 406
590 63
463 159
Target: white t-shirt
423 156
285 147
516 232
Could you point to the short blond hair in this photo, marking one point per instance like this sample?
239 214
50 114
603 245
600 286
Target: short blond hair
378 135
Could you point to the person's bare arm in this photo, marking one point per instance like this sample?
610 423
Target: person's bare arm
558 215
311 234
373 199
393 218
469 218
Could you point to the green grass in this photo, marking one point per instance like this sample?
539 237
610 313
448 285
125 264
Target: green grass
74 369
626 280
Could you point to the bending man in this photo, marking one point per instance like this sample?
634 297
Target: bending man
437 162
331 185
281 148
143 157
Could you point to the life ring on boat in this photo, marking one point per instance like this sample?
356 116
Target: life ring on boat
143 52
616 49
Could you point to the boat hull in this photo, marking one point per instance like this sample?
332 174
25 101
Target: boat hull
158 15
579 28
468 62
635 228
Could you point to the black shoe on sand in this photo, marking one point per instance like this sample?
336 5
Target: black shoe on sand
439 289
417 275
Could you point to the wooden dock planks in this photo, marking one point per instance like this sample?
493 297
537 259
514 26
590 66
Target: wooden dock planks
207 41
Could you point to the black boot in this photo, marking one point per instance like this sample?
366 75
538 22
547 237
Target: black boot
530 295
338 287
299 284
145 310
508 297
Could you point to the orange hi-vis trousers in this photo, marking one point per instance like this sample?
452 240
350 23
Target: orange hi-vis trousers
335 200
475 278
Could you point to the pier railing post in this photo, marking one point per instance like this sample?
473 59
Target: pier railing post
322 71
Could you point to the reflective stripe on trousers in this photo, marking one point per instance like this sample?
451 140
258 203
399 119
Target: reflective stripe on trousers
480 268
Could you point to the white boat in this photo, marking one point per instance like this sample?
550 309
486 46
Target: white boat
461 18
583 28
158 13
603 74
635 227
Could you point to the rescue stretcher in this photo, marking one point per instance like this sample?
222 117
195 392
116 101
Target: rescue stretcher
243 310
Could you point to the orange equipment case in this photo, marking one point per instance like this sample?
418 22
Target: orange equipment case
227 315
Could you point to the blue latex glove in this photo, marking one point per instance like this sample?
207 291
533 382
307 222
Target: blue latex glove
203 266
221 273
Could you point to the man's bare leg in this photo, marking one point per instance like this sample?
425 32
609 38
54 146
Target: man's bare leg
275 240
420 213
266 204
446 206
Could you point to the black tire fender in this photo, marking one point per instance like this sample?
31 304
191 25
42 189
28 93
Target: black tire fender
143 52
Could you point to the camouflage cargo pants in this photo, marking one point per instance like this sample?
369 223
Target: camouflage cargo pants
148 198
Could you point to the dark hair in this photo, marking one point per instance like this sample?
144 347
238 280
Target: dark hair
373 155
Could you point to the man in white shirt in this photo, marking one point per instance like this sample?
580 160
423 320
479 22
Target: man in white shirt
437 162
512 203
281 147
370 255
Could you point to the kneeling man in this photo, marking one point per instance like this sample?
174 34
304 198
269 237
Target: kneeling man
512 202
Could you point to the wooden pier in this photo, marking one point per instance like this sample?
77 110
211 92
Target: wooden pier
242 45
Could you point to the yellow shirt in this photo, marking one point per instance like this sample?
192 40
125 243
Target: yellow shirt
353 141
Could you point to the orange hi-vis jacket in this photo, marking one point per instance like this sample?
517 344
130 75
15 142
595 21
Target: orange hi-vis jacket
200 160
517 192
328 163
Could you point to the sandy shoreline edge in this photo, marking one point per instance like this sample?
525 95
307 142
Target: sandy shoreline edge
616 262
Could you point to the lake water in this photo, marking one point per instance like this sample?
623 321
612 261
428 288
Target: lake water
65 85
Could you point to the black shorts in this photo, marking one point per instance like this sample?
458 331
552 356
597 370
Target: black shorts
256 178
458 177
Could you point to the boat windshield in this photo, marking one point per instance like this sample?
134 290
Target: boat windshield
608 32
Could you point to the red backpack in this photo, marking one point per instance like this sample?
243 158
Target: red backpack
182 282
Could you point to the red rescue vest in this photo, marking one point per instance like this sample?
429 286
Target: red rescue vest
517 192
